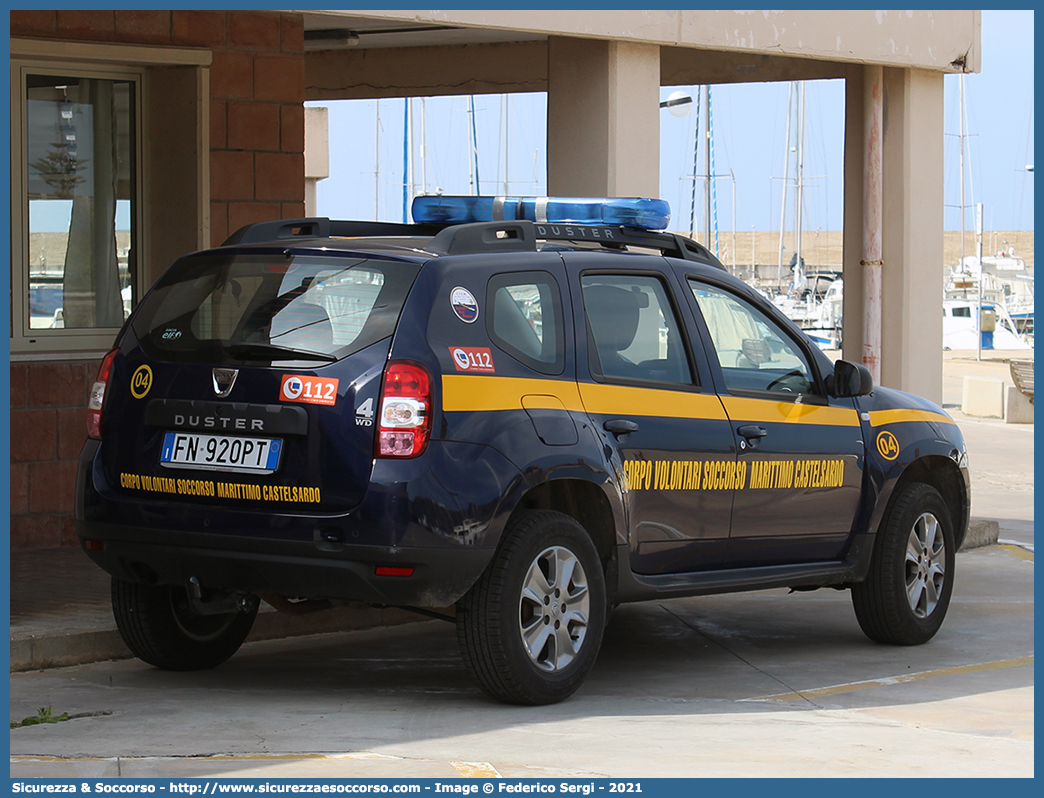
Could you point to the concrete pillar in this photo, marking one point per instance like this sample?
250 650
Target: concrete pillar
854 313
603 118
911 339
912 236
316 153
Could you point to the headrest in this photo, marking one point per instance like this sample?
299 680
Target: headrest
613 313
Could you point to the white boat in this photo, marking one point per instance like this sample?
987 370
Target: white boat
960 322
815 304
1002 283
1005 280
961 329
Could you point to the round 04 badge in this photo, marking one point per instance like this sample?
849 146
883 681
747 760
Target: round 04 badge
464 304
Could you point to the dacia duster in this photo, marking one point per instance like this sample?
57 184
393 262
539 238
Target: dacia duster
520 423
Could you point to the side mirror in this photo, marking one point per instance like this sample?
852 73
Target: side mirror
849 379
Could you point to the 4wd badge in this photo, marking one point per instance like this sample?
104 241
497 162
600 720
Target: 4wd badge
464 304
364 414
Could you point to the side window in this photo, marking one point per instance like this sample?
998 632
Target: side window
754 352
525 319
633 331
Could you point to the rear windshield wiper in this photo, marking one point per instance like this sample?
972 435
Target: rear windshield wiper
262 351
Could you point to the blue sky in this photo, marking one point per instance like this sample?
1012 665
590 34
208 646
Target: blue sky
749 146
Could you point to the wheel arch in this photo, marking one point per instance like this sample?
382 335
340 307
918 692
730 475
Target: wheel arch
943 474
586 503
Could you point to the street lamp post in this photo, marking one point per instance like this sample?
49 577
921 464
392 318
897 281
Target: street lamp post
678 103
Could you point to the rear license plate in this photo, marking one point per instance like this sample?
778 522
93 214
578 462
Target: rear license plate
220 452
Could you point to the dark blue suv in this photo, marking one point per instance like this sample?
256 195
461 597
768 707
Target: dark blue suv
516 423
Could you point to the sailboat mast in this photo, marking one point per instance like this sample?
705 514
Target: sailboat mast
423 147
786 179
961 149
707 170
376 159
506 121
798 275
473 145
695 166
407 180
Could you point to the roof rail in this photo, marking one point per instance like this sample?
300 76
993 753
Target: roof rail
671 244
485 237
521 236
457 239
322 227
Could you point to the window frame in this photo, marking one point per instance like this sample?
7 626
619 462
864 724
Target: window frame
503 280
79 341
694 385
817 393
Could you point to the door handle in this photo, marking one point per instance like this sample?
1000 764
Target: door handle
620 426
750 431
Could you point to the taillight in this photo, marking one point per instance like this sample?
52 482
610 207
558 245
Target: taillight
97 401
405 418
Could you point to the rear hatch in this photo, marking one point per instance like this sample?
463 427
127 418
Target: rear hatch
249 378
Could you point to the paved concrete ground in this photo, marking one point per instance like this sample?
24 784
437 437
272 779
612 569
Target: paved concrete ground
764 684
1001 454
760 684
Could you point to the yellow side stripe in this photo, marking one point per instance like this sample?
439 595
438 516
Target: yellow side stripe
471 393
462 393
627 401
908 677
766 410
878 418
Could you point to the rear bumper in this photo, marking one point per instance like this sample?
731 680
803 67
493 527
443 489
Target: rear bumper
431 515
439 577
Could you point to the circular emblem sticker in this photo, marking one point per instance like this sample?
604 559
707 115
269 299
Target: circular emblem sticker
293 387
887 445
461 358
464 304
141 382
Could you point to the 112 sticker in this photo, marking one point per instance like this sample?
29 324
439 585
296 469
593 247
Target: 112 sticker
303 388
473 359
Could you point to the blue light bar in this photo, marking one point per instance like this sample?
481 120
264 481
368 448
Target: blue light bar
644 214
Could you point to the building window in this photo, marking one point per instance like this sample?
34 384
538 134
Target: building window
75 274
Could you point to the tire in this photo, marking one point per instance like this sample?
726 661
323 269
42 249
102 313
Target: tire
522 643
904 598
159 627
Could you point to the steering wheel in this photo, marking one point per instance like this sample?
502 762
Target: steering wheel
778 383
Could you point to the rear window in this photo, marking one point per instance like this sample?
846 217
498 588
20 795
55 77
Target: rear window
251 307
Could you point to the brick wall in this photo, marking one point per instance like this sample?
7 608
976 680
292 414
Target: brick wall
257 173
48 428
256 121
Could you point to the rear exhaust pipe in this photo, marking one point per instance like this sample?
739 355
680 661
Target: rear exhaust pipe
218 602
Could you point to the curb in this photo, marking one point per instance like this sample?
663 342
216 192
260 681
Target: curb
82 646
981 533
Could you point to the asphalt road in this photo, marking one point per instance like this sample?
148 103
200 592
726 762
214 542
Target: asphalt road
759 684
